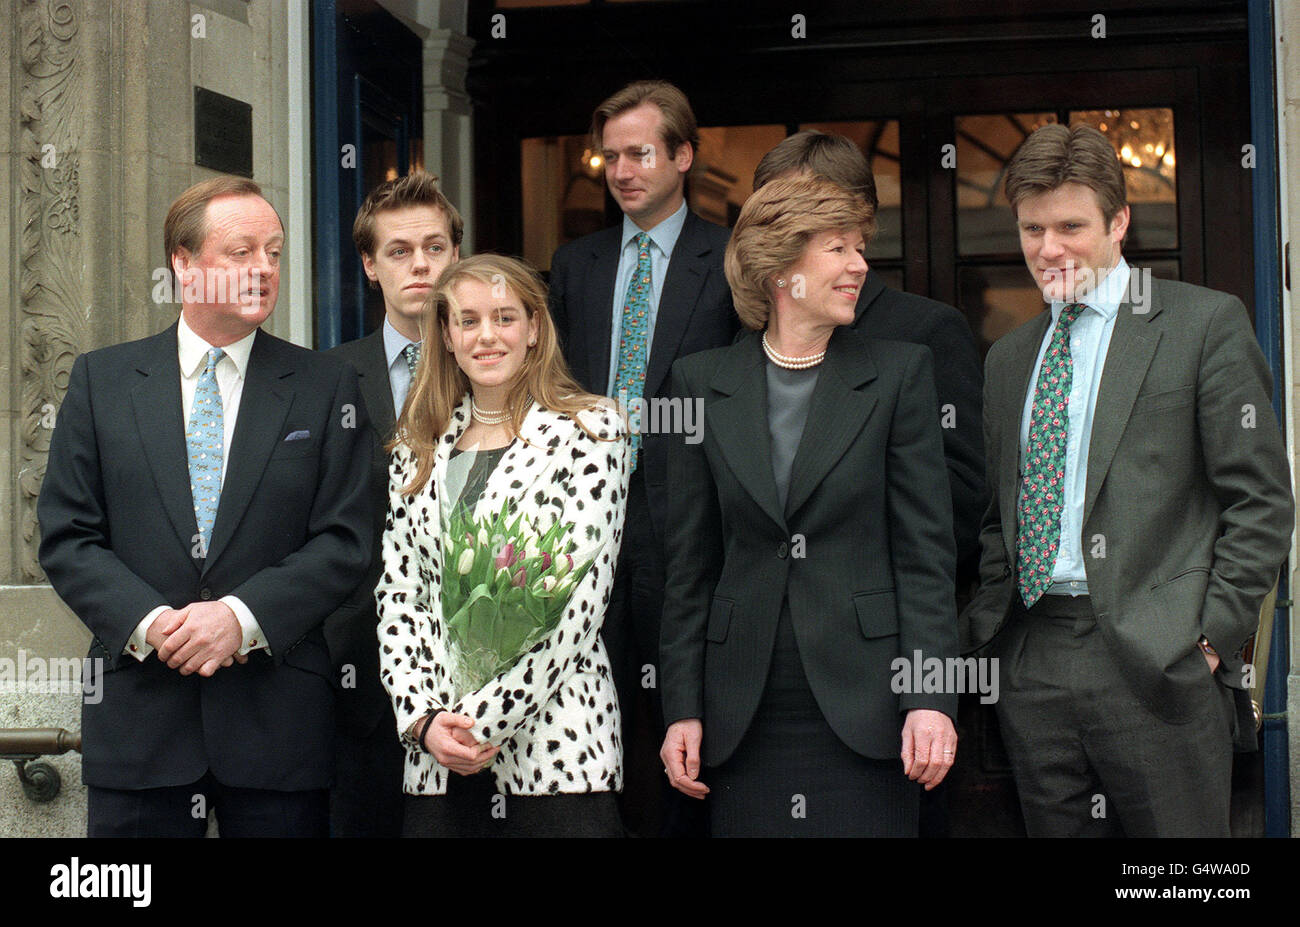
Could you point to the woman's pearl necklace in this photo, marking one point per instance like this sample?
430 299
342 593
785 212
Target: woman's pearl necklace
487 416
792 363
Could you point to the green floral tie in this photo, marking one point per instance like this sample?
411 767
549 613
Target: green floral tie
633 343
1042 487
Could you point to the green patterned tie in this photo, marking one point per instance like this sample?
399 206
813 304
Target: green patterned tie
633 342
1042 488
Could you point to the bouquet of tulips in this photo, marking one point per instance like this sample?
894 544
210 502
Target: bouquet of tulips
504 588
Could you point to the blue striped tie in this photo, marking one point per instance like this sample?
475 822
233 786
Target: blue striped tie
205 446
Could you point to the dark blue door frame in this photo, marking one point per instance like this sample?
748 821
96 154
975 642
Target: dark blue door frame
1268 329
326 168
366 89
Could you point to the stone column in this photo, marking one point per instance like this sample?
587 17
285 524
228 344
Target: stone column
448 129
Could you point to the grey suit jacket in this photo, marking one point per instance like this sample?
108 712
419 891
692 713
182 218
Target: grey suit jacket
1188 508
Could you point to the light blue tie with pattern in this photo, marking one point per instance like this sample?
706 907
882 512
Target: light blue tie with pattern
412 354
205 446
633 342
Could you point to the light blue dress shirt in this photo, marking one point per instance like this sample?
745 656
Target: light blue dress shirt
663 238
399 375
1089 342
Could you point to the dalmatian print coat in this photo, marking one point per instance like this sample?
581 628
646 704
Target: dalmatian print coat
554 714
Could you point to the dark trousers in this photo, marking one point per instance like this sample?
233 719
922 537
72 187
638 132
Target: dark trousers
182 811
1090 759
367 800
650 807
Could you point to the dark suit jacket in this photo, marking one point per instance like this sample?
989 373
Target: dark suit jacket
350 631
291 539
695 313
896 316
1188 511
868 500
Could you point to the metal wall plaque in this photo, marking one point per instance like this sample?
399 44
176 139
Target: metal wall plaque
223 133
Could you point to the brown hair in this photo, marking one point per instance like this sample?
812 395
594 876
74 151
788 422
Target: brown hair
1054 155
678 122
440 385
186 225
834 157
415 189
775 226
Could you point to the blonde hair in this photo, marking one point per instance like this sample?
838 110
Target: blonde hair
775 226
678 125
440 385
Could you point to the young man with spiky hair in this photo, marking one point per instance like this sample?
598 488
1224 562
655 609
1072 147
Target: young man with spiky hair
406 232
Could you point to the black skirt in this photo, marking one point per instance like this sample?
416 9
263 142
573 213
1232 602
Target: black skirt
792 776
472 807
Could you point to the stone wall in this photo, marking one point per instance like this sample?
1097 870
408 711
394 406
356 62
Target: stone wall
98 105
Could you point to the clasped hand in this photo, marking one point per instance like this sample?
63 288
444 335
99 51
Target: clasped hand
200 638
449 739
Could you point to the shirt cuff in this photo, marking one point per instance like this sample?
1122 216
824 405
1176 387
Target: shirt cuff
254 639
135 644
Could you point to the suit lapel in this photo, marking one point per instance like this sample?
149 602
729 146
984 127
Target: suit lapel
263 406
739 422
1132 345
682 286
372 375
1020 373
599 299
159 418
836 414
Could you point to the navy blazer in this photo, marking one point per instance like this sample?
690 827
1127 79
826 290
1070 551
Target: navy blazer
891 314
695 314
862 551
291 539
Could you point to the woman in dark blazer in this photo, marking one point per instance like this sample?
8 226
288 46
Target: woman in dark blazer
809 546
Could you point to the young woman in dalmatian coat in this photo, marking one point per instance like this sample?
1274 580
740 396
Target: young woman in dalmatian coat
547 729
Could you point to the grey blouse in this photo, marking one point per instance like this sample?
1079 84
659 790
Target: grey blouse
789 396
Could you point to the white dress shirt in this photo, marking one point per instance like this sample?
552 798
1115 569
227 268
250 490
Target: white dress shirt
193 353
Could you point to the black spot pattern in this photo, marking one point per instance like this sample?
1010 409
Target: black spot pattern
554 714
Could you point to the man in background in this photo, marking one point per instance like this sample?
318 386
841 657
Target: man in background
406 233
628 301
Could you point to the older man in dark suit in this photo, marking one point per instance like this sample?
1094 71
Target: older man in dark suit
204 509
406 233
1141 509
628 302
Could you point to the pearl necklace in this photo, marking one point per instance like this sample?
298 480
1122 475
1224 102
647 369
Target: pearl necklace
792 363
487 416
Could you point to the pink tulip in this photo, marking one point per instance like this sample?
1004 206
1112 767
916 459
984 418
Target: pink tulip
505 558
546 560
521 578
